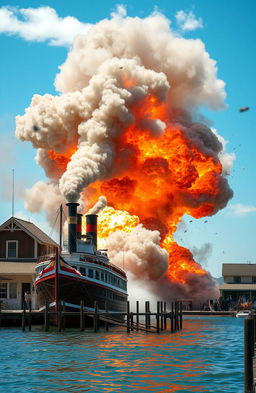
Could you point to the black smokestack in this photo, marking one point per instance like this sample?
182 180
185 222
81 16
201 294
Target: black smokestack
72 223
91 228
79 226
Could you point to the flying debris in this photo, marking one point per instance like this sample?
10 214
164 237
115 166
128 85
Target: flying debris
244 109
205 221
36 128
191 221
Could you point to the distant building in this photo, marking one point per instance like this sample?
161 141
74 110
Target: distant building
239 281
21 243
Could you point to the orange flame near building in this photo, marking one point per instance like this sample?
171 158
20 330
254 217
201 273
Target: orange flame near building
159 177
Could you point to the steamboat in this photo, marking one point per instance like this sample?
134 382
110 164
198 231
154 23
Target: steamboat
80 273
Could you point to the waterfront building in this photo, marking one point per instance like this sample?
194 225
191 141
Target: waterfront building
239 282
21 243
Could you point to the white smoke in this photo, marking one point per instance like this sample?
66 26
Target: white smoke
138 252
99 205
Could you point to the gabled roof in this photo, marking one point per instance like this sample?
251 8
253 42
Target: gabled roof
28 227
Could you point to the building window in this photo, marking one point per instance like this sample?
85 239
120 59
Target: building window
12 248
237 279
254 280
3 290
13 290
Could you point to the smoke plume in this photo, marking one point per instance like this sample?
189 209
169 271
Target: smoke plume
123 130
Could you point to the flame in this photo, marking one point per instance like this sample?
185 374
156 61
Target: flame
162 177
111 220
61 160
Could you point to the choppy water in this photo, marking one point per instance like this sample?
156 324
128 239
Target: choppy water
206 356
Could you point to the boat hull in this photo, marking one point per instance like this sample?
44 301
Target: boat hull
72 291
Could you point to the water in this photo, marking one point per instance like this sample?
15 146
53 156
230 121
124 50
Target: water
206 356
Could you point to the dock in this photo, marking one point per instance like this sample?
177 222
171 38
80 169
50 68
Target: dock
131 321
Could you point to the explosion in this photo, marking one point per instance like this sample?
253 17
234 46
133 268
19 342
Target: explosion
123 133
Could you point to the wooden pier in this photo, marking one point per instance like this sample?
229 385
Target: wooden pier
131 321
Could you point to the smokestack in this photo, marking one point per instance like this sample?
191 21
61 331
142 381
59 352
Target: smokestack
91 227
72 224
79 226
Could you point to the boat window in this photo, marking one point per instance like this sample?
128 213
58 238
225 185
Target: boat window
102 276
97 275
90 273
83 271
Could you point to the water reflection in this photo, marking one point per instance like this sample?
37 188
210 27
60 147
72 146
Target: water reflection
192 360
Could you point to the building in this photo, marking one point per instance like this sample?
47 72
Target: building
239 282
21 243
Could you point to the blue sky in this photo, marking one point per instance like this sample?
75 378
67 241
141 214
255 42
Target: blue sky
228 32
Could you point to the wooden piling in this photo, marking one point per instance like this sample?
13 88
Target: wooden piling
29 317
162 315
46 317
181 322
172 318
157 317
248 354
23 320
165 316
148 315
128 328
82 322
137 314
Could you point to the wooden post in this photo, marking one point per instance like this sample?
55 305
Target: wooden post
29 317
59 316
181 315
162 316
165 316
95 318
157 317
172 319
137 314
46 317
82 315
146 315
248 354
148 311
106 323
23 320
128 328
176 316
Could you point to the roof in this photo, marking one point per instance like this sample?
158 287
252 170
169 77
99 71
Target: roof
17 268
239 269
31 229
238 287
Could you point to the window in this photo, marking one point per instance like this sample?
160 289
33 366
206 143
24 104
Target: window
237 279
83 271
97 275
90 273
3 290
102 276
13 290
12 248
